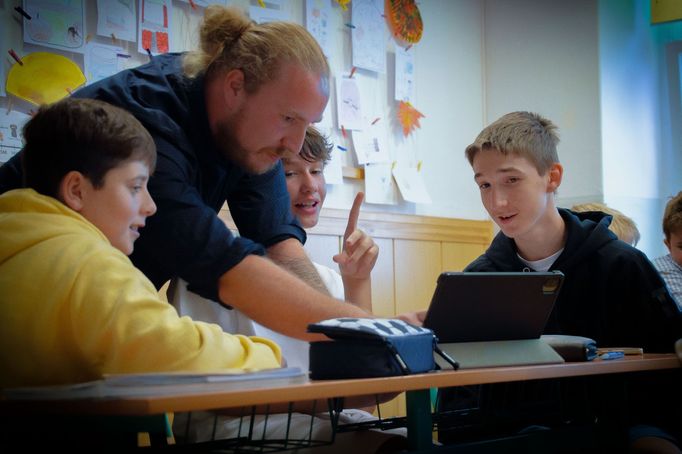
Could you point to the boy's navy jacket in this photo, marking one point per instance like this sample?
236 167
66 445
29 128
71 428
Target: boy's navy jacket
611 292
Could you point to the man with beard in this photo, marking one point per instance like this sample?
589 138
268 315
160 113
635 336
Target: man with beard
221 118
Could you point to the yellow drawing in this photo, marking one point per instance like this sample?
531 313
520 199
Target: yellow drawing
44 78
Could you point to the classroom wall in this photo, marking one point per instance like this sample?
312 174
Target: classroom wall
641 121
596 68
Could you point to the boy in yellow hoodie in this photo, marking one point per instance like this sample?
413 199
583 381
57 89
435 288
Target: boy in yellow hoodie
72 305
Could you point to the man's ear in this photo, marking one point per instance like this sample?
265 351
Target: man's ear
233 88
555 173
71 190
666 241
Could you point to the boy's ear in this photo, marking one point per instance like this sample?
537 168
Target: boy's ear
233 88
71 190
555 173
666 241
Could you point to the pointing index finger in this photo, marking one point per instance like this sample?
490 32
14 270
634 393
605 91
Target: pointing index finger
354 214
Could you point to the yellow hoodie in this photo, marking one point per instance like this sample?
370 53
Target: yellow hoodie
72 307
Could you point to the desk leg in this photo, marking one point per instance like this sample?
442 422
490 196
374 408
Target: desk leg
419 423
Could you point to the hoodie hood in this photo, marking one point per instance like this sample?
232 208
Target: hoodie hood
586 233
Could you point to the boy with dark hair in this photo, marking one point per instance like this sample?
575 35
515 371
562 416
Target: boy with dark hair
670 265
611 292
72 305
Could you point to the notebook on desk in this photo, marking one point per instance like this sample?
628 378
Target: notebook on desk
494 318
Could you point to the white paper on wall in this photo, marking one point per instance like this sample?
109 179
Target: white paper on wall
379 184
368 35
404 75
102 60
54 23
348 103
116 18
411 184
11 139
317 15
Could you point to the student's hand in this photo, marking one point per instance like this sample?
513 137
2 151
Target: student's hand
414 318
360 253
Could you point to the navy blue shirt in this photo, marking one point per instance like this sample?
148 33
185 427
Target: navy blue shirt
191 182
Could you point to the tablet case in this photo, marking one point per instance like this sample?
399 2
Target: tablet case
494 318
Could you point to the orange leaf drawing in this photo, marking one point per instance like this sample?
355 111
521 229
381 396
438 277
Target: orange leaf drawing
408 117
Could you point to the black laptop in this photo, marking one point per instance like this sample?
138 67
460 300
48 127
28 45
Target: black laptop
494 318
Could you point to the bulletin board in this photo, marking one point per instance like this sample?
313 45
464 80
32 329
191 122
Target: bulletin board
372 118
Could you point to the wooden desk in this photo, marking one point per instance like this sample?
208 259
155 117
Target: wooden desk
418 400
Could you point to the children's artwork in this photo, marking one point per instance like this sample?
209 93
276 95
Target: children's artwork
368 35
379 184
370 144
404 75
262 15
154 27
44 78
408 117
348 106
204 3
55 23
116 19
11 125
411 184
102 60
404 21
333 170
317 14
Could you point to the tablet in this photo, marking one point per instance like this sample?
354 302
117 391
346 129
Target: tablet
492 306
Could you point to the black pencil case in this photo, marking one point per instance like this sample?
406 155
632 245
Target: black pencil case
371 347
572 348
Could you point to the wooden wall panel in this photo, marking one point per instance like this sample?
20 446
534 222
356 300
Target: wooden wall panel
383 283
417 266
456 256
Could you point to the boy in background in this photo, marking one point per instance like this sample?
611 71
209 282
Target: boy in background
611 292
623 226
72 305
670 265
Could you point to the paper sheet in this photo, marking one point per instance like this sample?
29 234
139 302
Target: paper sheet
118 18
55 23
368 35
102 60
411 184
379 184
404 75
317 15
154 26
348 103
370 144
11 126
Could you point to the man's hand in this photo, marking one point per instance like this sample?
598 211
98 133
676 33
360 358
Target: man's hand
414 318
360 253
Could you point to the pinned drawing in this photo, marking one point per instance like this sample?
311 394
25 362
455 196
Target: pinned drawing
154 26
55 23
404 75
368 34
116 19
408 117
44 78
379 184
348 106
404 21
